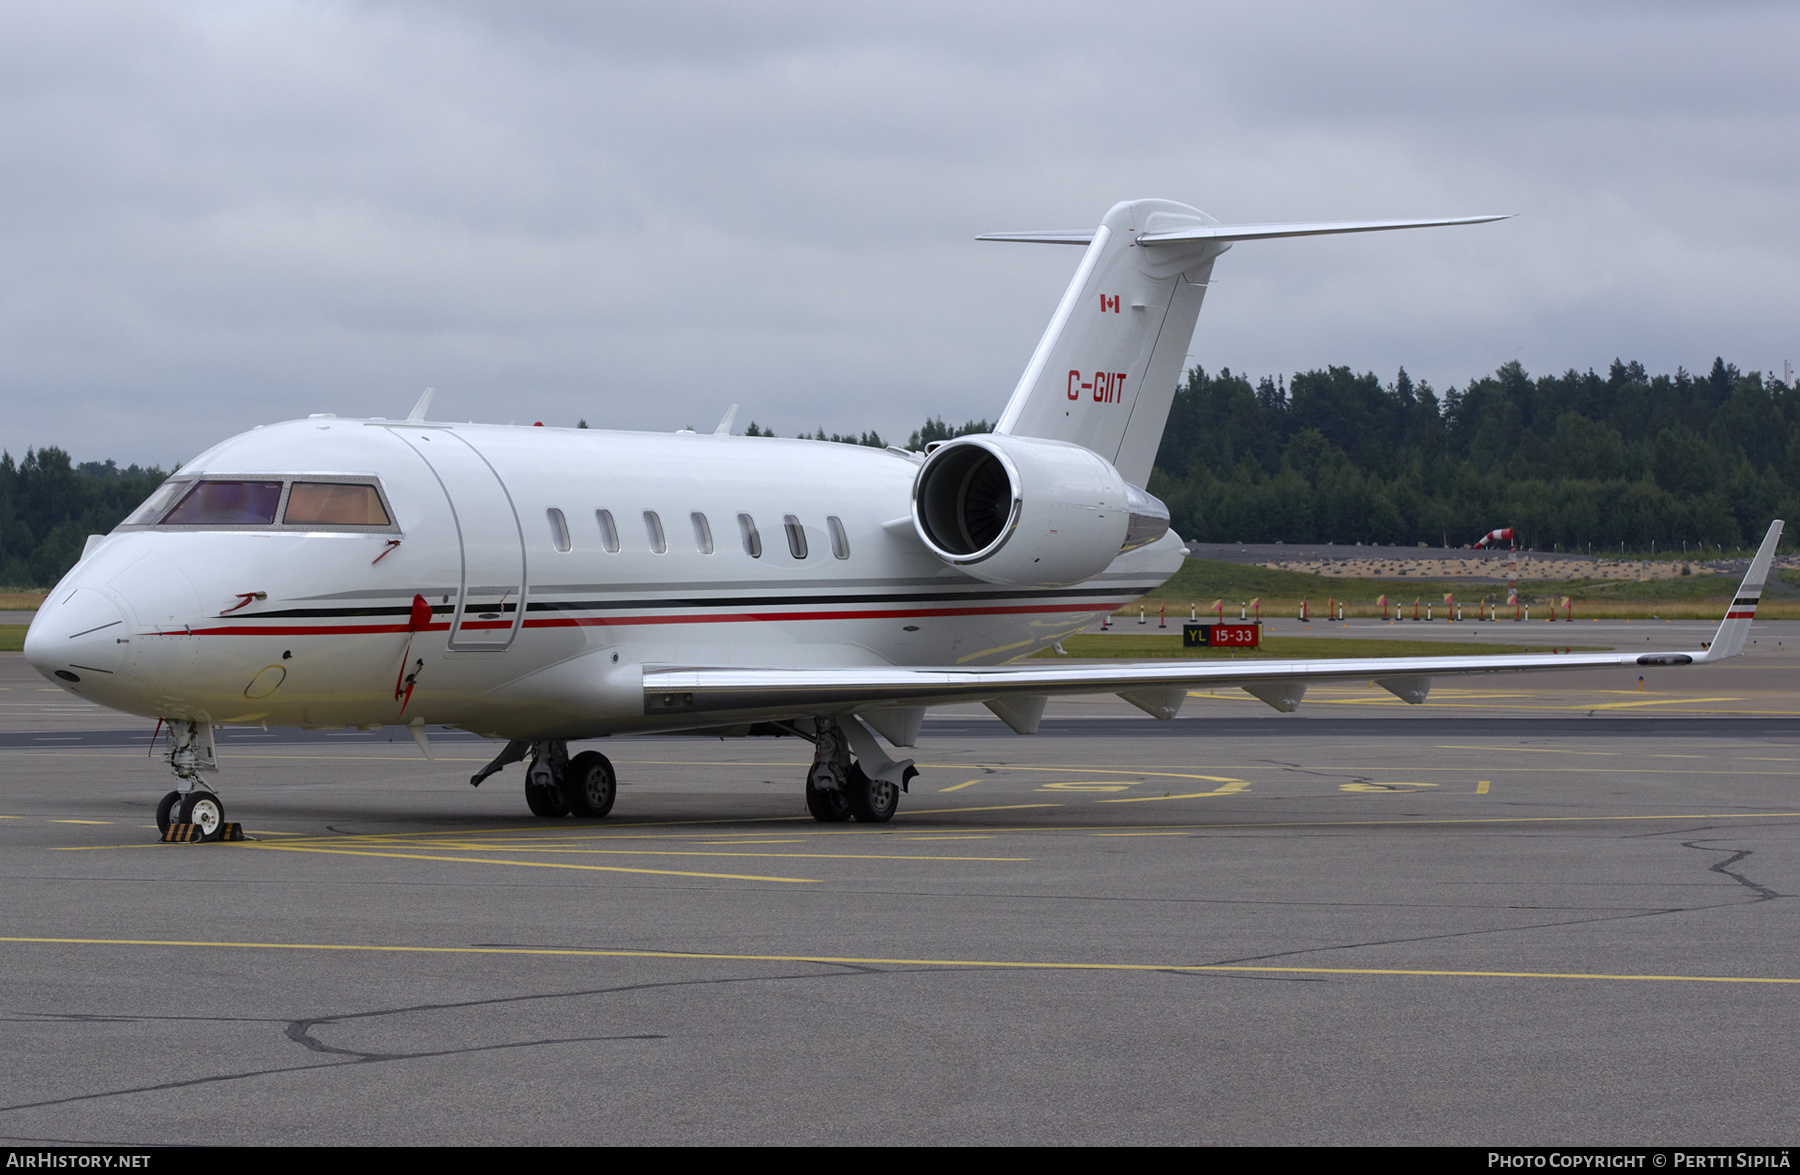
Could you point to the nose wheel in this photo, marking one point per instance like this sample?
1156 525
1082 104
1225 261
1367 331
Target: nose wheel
167 809
205 812
194 817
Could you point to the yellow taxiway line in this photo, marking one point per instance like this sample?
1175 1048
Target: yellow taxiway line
861 961
289 847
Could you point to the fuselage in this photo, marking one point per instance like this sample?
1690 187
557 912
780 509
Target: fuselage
492 558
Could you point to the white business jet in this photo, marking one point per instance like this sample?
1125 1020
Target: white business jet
542 585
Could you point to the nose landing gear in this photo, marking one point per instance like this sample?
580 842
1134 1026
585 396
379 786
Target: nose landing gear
193 812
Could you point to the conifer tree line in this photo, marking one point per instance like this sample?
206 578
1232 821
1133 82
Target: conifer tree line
931 430
49 506
1570 461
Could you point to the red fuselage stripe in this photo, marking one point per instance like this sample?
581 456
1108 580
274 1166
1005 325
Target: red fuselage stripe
605 621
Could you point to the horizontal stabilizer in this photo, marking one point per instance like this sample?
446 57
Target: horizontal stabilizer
1072 237
1242 232
1321 228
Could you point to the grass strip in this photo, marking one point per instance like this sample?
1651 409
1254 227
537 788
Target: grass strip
1201 581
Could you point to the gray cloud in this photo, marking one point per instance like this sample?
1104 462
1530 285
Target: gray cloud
212 216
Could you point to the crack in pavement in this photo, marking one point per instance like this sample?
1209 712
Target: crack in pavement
1453 934
1763 893
299 1031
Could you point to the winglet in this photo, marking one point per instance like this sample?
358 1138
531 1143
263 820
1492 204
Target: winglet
419 409
724 429
1734 630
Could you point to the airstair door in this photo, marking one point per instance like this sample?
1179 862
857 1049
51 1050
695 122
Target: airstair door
490 601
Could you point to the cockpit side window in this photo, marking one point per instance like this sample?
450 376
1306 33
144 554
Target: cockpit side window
157 502
227 503
334 504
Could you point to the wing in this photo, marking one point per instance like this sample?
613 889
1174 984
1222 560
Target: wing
737 695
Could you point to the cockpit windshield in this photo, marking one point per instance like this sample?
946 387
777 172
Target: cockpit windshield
334 504
313 502
227 503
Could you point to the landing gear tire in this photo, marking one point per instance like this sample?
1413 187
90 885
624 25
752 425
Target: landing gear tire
589 785
166 812
545 801
827 805
205 809
871 801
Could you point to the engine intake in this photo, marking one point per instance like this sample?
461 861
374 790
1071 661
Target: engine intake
1027 511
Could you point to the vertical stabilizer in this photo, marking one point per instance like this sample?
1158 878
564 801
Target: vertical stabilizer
1105 372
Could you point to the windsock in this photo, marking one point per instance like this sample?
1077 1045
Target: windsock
1494 536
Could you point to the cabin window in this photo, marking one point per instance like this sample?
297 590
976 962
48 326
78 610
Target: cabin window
559 529
840 542
653 527
609 534
796 536
324 503
227 503
702 533
752 540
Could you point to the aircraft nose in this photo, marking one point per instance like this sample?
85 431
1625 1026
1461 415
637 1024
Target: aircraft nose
78 636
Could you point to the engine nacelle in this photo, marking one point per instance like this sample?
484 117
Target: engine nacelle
1030 512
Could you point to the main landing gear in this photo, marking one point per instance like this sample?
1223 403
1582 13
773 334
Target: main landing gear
193 811
837 787
557 785
851 777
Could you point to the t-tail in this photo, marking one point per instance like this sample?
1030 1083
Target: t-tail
1104 374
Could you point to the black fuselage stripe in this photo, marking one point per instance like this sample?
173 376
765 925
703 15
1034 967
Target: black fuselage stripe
888 598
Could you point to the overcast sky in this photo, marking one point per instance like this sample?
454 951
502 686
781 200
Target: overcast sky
214 215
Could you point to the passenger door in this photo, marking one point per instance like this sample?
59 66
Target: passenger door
490 601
